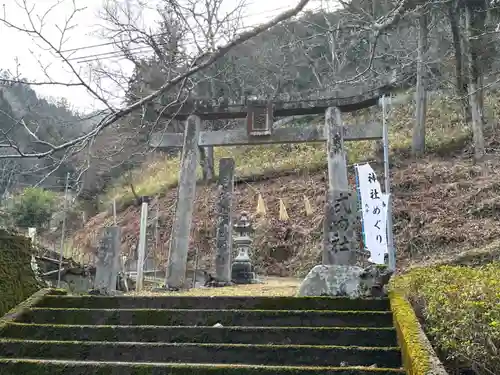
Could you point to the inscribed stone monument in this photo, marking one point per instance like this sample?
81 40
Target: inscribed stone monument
108 261
340 243
224 220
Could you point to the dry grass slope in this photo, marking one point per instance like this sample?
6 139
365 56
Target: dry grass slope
443 130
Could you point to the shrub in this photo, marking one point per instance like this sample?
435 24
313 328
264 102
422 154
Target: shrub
34 207
461 311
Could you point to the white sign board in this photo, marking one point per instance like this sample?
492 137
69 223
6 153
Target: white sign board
374 213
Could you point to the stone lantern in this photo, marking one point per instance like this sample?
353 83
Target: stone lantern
242 271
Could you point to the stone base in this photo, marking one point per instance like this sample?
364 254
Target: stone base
242 272
346 281
244 278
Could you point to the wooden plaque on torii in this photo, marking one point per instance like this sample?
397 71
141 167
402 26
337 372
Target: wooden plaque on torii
259 118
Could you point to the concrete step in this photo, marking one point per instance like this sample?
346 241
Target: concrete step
53 367
261 318
209 303
277 355
341 336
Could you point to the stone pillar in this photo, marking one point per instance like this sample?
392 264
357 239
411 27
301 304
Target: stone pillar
224 241
337 166
142 243
242 271
186 193
340 215
340 245
108 261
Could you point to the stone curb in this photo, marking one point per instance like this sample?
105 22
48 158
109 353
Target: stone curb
16 312
419 357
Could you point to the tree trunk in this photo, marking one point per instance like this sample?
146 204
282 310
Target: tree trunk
477 22
474 90
461 83
418 141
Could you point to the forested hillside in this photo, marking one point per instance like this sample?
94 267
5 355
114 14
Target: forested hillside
26 119
449 49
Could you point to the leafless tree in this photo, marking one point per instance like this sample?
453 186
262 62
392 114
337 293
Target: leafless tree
176 58
418 141
195 62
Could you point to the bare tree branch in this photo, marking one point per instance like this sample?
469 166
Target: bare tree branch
201 62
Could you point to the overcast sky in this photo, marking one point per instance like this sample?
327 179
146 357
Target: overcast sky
33 59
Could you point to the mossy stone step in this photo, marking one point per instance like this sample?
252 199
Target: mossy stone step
31 367
224 303
260 318
278 355
342 336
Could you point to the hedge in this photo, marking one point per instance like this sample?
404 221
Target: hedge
460 307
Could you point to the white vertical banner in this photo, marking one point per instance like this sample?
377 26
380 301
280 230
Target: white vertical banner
374 213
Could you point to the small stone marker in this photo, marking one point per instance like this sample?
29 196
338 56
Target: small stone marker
340 243
224 220
108 261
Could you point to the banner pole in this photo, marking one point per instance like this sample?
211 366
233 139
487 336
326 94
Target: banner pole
390 234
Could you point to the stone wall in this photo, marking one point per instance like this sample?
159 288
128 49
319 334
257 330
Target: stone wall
17 280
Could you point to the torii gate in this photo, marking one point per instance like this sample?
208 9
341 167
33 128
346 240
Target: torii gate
339 236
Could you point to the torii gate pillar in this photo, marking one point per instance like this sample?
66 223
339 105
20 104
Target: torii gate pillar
186 193
339 234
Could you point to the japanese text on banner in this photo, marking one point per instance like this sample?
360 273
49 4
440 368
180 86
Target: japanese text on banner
374 213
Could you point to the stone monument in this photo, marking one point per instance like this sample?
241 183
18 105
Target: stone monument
340 244
108 261
224 243
242 271
339 275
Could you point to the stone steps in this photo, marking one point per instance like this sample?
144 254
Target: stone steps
277 355
207 303
176 335
343 336
167 317
58 367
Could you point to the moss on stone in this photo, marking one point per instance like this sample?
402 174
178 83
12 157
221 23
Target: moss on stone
34 367
296 355
17 280
17 313
414 352
226 302
166 317
385 336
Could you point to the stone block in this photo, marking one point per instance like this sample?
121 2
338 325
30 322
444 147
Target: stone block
344 280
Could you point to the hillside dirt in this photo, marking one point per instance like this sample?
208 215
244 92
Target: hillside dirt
443 206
